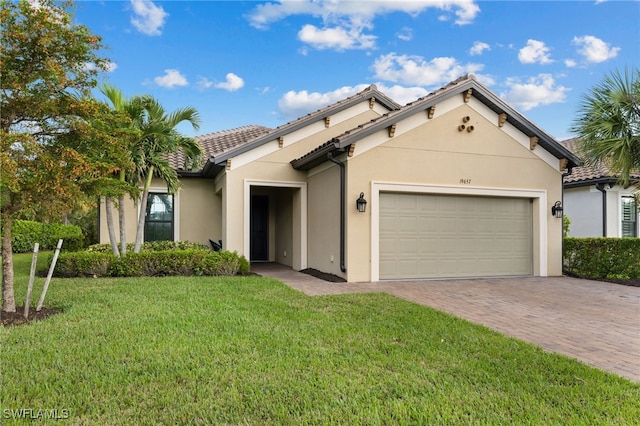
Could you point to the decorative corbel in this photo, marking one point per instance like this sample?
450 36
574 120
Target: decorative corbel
467 95
280 141
502 118
352 148
431 111
327 120
228 164
372 102
564 163
392 130
533 142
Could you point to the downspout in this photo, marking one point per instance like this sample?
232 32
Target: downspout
342 208
564 175
600 187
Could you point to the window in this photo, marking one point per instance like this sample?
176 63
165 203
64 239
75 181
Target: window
629 217
159 222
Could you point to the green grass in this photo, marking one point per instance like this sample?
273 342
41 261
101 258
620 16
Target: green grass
250 350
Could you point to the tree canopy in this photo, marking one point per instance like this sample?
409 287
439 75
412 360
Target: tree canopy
57 143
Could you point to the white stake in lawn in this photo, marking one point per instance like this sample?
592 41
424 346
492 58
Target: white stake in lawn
49 275
32 275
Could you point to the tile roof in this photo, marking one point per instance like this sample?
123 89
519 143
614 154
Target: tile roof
588 173
213 144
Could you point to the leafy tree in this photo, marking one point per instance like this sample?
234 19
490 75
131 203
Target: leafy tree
53 145
160 139
608 124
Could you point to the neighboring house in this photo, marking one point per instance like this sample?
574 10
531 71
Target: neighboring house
596 204
457 184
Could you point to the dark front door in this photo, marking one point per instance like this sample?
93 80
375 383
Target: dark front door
259 227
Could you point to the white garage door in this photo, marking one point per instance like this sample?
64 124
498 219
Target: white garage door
442 236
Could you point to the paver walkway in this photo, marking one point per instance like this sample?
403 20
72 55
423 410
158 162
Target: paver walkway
595 322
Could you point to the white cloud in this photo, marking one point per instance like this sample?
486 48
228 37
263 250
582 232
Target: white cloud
595 50
345 22
415 70
171 78
534 52
296 104
570 63
478 48
336 38
148 18
536 91
231 84
406 34
204 83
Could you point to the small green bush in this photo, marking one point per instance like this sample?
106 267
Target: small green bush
83 264
25 233
151 263
602 258
157 263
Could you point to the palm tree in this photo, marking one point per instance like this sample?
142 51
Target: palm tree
161 138
134 110
608 124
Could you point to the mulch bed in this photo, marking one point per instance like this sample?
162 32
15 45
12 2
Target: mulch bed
17 317
631 283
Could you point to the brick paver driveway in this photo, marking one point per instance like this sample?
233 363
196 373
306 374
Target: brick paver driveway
595 322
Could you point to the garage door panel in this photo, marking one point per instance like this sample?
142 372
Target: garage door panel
433 236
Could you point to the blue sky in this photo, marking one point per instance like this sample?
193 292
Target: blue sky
266 63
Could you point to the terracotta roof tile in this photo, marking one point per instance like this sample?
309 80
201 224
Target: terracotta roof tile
216 143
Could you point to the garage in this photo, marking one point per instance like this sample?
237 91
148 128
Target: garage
454 236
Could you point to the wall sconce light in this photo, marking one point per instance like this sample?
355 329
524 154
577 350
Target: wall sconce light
361 203
556 209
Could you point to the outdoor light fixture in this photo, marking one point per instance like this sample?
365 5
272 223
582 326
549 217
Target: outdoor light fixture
361 203
556 209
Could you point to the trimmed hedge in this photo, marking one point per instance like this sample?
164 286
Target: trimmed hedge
25 233
151 246
151 264
602 258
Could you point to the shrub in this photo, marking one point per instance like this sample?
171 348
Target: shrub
151 263
83 264
157 263
25 233
602 258
152 246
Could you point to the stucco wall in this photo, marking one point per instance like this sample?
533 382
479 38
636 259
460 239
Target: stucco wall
324 217
583 207
436 154
200 211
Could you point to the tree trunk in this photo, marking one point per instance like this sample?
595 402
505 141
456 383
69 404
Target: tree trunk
8 298
143 212
108 204
141 221
123 233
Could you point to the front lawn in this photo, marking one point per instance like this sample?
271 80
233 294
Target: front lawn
250 350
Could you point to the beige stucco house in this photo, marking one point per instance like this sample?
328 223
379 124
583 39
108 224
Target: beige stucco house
457 184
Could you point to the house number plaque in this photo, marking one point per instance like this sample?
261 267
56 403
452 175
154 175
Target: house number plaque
465 181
